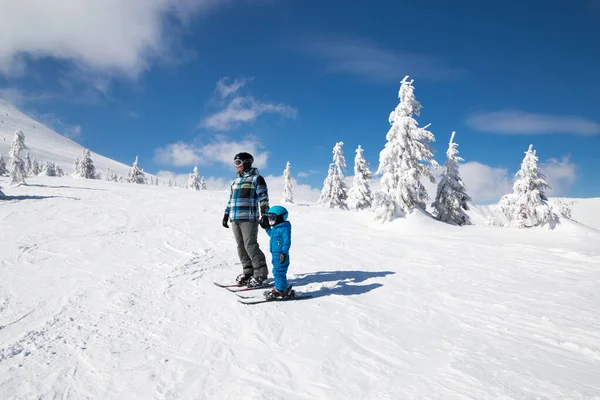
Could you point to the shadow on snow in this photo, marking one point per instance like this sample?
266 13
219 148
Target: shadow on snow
16 198
346 282
63 187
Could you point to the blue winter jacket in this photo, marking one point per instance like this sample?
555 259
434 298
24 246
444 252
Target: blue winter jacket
281 241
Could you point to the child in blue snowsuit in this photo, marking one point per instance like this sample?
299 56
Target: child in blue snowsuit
280 231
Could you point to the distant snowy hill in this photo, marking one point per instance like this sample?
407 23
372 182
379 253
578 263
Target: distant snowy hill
45 144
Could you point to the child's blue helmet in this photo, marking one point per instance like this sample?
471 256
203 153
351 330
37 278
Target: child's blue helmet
279 211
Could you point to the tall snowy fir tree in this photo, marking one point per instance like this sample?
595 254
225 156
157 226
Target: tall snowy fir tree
194 180
335 191
451 199
136 175
528 205
407 156
85 167
3 169
202 183
360 196
17 165
288 185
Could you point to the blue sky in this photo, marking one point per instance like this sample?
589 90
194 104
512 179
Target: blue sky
185 83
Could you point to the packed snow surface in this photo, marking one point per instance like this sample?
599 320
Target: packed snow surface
106 292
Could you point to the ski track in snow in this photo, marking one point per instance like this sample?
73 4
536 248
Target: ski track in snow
111 297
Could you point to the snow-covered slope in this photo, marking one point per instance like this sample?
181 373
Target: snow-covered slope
106 291
46 145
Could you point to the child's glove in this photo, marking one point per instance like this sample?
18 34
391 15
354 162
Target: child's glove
282 258
264 221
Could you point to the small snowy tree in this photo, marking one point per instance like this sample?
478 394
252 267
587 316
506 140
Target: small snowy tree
1 193
384 206
35 168
360 196
28 165
3 170
170 183
59 171
451 199
528 205
202 184
136 175
85 167
194 180
288 185
335 192
156 181
407 156
17 172
48 169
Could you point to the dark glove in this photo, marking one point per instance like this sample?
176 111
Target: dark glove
264 221
282 258
225 220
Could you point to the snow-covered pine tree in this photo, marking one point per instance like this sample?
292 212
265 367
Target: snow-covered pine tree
194 180
35 168
1 193
407 156
136 175
76 166
451 199
48 169
156 181
3 169
528 205
360 196
17 165
202 184
288 185
58 170
170 183
28 165
335 192
108 175
85 167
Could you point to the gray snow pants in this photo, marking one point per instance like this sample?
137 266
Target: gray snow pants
252 258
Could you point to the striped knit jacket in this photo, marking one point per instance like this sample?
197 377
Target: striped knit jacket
248 195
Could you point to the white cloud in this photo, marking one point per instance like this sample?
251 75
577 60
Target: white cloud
220 150
365 58
515 122
225 90
560 175
485 184
241 109
306 174
113 36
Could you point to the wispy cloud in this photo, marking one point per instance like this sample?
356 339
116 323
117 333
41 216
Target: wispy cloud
224 90
220 150
57 124
306 174
516 122
369 60
122 37
238 109
560 175
18 97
